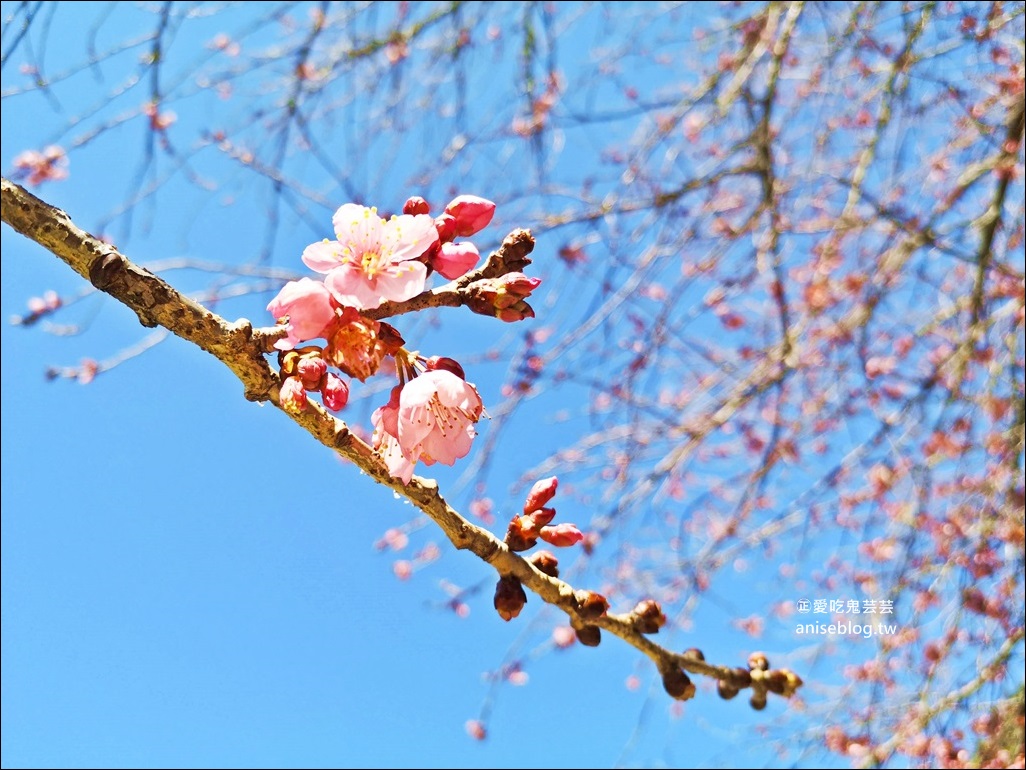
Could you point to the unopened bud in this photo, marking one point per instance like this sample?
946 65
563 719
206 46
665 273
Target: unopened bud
589 636
678 684
471 213
726 690
334 392
758 700
591 605
542 491
311 371
693 653
648 617
561 535
446 227
509 597
545 562
757 662
416 205
447 364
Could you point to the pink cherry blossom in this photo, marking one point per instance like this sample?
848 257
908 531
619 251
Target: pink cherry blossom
304 308
373 260
437 411
386 438
455 259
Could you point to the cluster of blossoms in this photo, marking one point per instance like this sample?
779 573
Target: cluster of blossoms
524 531
430 414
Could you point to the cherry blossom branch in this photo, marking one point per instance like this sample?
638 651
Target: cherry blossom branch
510 257
241 349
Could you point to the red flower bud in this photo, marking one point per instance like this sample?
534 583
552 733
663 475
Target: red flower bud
335 392
561 535
757 661
446 227
448 364
518 312
416 205
311 371
471 213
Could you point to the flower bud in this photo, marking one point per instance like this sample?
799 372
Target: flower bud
741 677
776 681
648 617
589 636
334 392
693 653
758 700
561 535
509 597
455 259
521 311
311 371
545 562
448 364
757 661
678 684
471 213
293 396
416 205
542 491
591 605
446 227
726 690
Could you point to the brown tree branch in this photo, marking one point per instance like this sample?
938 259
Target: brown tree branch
241 349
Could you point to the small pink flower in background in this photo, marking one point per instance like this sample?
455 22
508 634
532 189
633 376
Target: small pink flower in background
402 569
880 365
476 730
562 535
563 637
304 308
437 411
159 121
455 259
38 167
335 392
472 214
293 395
87 371
372 260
